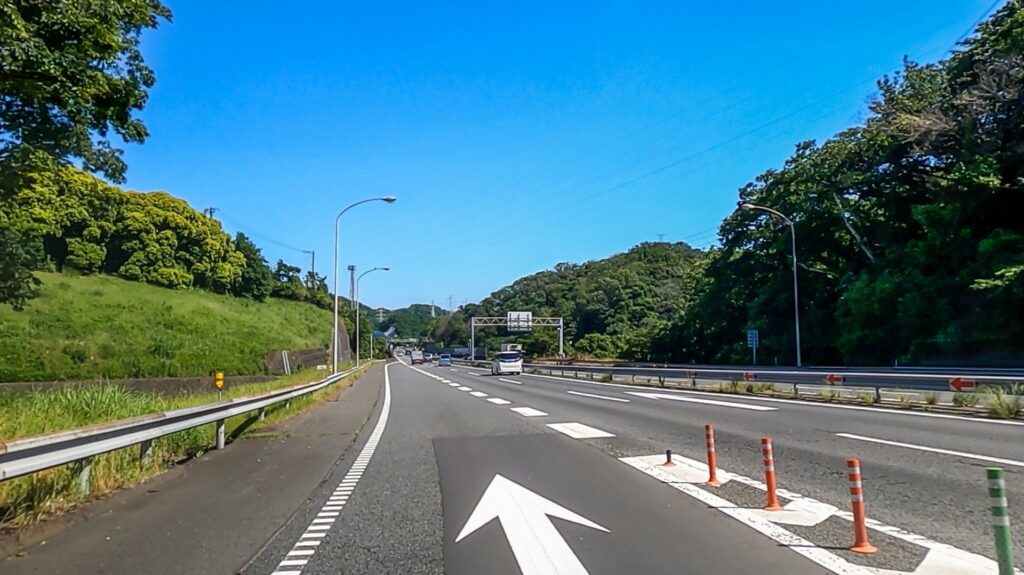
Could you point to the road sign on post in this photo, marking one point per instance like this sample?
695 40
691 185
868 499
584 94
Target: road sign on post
218 382
520 320
753 340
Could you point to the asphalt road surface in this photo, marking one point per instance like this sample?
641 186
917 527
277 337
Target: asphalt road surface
457 471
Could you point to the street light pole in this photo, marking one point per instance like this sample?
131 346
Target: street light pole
796 291
337 224
359 312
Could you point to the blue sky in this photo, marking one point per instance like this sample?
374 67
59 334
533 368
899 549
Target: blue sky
516 135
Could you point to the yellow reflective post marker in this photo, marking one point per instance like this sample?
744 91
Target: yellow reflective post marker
218 382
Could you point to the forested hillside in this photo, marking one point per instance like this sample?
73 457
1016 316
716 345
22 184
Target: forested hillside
612 307
910 240
412 321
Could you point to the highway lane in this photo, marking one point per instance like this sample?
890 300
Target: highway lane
458 484
937 494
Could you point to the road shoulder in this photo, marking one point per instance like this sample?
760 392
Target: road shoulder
221 508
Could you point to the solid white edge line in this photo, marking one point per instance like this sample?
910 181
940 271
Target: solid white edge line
795 402
580 393
325 518
938 450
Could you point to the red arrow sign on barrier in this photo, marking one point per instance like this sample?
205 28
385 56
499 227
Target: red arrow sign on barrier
748 376
961 384
834 378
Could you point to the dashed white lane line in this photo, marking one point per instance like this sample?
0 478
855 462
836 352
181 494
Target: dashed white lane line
673 397
605 397
529 412
474 374
963 454
478 394
464 388
300 553
579 431
453 384
510 381
498 401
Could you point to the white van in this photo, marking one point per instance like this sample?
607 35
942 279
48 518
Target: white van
507 362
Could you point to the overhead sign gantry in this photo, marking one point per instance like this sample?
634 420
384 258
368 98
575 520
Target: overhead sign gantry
517 321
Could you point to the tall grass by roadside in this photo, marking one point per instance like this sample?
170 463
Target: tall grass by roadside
27 499
1004 402
86 328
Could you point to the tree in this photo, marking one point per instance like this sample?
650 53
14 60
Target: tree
257 280
287 283
70 73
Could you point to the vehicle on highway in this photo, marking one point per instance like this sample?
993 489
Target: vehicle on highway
507 362
444 360
428 357
416 357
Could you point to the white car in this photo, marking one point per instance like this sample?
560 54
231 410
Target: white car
507 362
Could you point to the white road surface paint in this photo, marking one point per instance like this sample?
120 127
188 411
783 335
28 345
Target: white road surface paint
579 431
510 381
538 547
963 454
529 412
940 559
605 397
719 403
464 388
325 517
478 394
498 401
453 384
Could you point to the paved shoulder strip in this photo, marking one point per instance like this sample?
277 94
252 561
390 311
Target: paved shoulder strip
305 548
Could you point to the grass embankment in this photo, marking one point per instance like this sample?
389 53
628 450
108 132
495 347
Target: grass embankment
95 327
27 499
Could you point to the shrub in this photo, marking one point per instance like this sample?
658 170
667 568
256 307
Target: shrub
931 398
904 402
867 397
1004 402
606 378
965 399
828 395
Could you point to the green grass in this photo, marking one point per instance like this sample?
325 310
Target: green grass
1005 403
94 327
27 499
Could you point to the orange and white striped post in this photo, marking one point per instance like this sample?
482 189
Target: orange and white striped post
769 474
860 527
709 434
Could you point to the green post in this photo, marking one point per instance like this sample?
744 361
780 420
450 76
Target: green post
1000 520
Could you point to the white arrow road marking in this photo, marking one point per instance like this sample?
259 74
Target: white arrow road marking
579 431
529 412
580 393
1012 462
704 401
538 547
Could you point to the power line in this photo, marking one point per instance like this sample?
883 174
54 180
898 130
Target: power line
984 15
259 235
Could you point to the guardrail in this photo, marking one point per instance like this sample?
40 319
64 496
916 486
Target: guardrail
928 379
79 446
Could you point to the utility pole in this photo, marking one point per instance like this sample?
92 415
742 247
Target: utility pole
380 315
312 263
208 212
432 314
352 285
450 304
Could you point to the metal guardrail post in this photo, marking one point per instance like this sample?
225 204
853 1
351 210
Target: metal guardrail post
83 469
145 453
878 394
263 413
220 433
